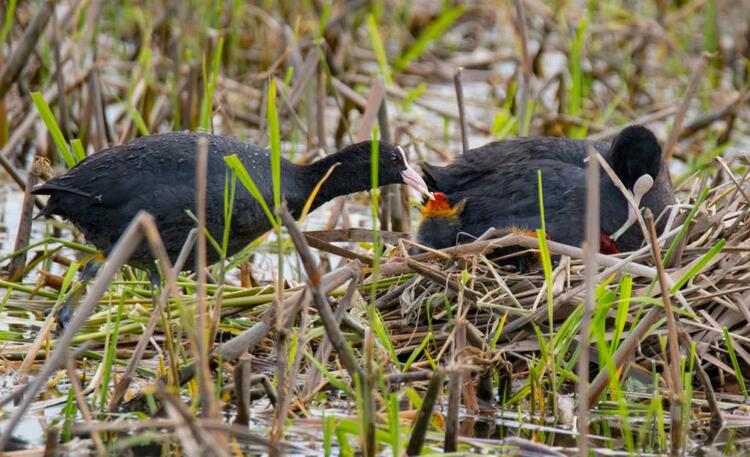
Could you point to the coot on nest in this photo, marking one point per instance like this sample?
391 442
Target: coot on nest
496 186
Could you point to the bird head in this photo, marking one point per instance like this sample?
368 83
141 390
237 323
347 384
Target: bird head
441 206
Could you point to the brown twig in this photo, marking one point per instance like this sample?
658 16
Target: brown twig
422 421
25 47
458 84
674 344
525 67
454 402
82 405
16 267
695 80
127 243
242 381
202 319
590 251
127 375
321 303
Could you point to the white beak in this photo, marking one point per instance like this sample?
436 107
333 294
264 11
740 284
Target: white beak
414 180
640 188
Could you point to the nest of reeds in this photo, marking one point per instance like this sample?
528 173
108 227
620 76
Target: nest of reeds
458 306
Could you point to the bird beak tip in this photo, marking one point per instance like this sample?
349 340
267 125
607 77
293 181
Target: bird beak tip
412 179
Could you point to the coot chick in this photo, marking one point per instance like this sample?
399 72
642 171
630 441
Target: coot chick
440 228
441 223
497 184
103 193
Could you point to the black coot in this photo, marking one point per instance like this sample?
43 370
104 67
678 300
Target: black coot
103 193
496 185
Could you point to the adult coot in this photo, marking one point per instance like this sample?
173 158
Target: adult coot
496 186
103 193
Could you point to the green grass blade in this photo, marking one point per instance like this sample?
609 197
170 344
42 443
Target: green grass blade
415 353
68 279
335 382
738 373
110 349
140 123
623 306
686 224
239 170
10 11
699 265
274 135
499 331
381 332
210 87
79 153
431 33
230 191
328 428
576 75
324 14
54 129
379 49
394 424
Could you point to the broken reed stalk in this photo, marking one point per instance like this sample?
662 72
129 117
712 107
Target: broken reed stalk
345 353
422 421
282 379
60 79
83 407
679 119
370 116
625 192
95 93
454 402
590 251
192 435
674 344
242 382
25 46
16 266
320 106
387 208
461 109
121 252
626 350
324 348
525 67
127 375
209 405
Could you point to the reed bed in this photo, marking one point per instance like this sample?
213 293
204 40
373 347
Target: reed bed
328 337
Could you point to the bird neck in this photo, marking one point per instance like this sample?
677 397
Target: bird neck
342 173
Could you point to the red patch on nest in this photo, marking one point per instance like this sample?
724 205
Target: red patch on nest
607 245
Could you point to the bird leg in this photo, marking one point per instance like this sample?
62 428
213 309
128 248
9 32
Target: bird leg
640 188
155 279
88 273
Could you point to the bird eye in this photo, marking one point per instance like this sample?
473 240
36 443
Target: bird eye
394 159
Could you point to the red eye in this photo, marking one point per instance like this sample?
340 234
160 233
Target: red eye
394 159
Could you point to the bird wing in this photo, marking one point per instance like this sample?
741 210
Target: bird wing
482 164
509 197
